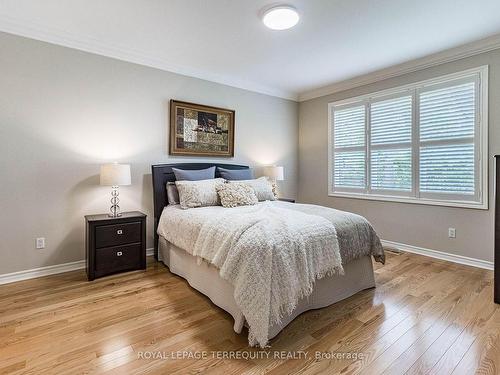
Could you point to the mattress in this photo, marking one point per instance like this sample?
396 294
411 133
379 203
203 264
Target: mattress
184 232
358 275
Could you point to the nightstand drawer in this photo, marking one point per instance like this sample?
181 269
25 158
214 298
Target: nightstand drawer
118 258
117 234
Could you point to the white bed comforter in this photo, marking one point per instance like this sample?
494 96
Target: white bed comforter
271 255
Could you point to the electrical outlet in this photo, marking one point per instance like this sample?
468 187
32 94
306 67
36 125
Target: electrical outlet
452 233
40 243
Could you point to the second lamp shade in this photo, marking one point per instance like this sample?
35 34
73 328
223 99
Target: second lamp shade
275 173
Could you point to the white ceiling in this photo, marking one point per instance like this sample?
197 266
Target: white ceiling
225 41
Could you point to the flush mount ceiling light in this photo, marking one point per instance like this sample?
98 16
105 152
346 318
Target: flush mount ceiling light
280 17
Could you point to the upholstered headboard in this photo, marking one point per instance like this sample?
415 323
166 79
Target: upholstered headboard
162 174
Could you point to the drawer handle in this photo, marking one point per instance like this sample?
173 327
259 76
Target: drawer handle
119 254
119 231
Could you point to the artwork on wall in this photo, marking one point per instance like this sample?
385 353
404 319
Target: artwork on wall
200 130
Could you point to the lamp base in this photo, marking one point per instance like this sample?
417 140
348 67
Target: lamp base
114 209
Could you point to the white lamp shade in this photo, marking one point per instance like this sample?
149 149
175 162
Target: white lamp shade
275 173
115 174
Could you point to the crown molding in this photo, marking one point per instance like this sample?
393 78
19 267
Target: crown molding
32 30
449 55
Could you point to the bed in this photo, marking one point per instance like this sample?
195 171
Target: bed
175 249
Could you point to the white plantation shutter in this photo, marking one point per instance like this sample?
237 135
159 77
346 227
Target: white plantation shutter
447 169
447 139
425 142
391 169
390 144
447 113
349 125
391 121
349 168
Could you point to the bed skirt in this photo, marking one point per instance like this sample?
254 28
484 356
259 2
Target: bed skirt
205 278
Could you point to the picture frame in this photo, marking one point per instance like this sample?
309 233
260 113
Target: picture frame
201 130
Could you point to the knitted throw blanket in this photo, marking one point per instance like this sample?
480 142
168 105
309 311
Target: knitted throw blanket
272 256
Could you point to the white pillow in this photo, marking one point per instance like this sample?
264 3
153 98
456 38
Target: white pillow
172 193
234 195
262 187
200 193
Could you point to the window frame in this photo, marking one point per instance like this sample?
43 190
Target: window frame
478 201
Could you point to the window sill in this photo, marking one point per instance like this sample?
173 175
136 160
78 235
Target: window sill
421 201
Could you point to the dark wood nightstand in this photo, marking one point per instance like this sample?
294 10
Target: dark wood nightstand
287 200
115 244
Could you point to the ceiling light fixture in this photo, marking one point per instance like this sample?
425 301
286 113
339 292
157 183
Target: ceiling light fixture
280 17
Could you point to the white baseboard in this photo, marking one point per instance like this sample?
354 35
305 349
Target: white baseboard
439 255
42 271
48 270
73 266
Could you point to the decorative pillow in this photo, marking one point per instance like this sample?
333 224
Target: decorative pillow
275 189
199 193
236 194
235 174
194 175
262 187
172 193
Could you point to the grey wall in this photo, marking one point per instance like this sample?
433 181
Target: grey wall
417 225
64 112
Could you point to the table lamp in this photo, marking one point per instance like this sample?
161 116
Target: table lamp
115 175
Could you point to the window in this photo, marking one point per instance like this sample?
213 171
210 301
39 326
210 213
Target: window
421 143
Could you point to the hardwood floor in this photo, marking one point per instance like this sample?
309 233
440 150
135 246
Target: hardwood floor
425 316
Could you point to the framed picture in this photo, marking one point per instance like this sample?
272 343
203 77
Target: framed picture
200 130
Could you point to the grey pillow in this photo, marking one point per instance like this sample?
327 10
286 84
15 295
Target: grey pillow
262 187
235 174
194 175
